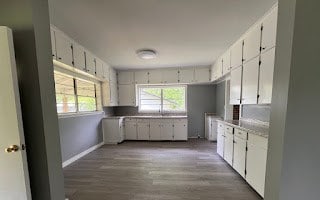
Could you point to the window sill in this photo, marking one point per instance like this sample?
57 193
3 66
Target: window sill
69 115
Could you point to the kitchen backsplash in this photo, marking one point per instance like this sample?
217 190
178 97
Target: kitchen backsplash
256 112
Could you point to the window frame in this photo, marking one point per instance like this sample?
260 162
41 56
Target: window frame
161 111
77 112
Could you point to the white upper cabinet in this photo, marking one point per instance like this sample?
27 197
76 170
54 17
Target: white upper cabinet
113 75
99 68
226 62
63 48
236 54
79 58
250 82
269 31
155 76
201 74
170 76
113 94
251 46
126 95
141 77
266 76
90 63
106 71
186 75
125 77
53 44
235 86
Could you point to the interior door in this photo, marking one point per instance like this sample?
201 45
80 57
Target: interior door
14 181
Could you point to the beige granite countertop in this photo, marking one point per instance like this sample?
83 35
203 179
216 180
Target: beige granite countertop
150 117
249 126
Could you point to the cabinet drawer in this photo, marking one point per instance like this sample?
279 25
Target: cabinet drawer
257 141
180 120
228 129
240 133
130 120
143 120
221 125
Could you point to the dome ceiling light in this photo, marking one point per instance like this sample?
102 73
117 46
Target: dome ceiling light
147 54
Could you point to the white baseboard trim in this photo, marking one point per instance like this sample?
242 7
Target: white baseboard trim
80 155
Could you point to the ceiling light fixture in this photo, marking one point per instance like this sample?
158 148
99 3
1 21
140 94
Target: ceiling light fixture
147 54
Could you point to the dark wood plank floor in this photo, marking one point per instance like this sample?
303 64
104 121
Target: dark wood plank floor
155 171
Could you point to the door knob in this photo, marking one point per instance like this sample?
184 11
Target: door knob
12 148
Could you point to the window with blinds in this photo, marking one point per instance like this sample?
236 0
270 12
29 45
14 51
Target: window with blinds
74 95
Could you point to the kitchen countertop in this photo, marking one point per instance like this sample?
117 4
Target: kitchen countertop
249 126
149 117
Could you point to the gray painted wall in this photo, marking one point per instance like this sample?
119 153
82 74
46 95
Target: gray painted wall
293 154
29 20
79 133
256 112
220 99
201 99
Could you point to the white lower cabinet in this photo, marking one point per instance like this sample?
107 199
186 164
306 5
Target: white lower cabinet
228 147
113 131
239 152
180 129
143 129
131 130
166 130
220 139
155 129
257 162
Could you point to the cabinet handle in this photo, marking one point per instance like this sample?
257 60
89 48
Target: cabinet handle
59 58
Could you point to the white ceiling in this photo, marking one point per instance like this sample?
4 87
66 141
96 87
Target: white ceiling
183 32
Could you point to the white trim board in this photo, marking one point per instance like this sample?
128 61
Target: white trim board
80 155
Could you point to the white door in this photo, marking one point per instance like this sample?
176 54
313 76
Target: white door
99 69
166 131
269 32
79 58
250 80
226 62
64 48
235 86
202 75
239 155
236 54
228 148
141 77
14 181
126 95
143 130
53 44
125 77
186 75
155 130
155 76
251 46
90 63
256 164
131 130
266 76
180 130
170 76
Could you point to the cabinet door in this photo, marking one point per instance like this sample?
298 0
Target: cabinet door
64 48
266 77
226 62
256 167
155 77
99 69
180 130
251 46
112 75
90 63
125 77
220 144
113 94
269 32
239 155
201 75
131 130
126 95
235 86
141 77
236 54
166 131
79 57
53 44
250 82
228 148
106 71
105 90
186 75
170 76
213 130
155 130
143 131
